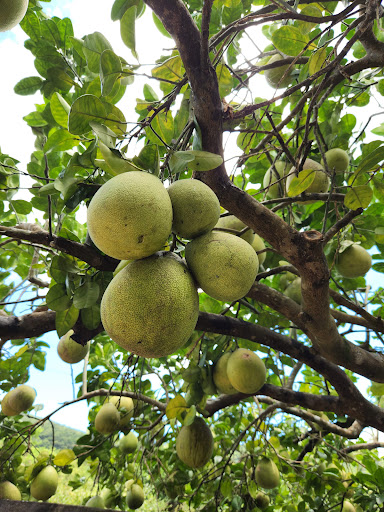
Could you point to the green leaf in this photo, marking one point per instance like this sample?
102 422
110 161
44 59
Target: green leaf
21 206
59 109
64 457
371 161
188 418
149 159
50 32
358 197
84 109
290 40
60 79
91 317
57 298
149 93
162 129
93 46
127 29
86 295
60 140
309 10
28 85
31 25
225 80
175 407
110 70
379 235
317 60
179 161
60 267
35 119
301 182
204 160
65 320
160 27
120 6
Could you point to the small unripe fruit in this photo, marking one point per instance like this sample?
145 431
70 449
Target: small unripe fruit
220 376
45 484
355 261
246 371
128 443
267 474
70 351
293 290
320 183
125 406
18 400
278 77
9 491
107 420
194 443
337 160
232 222
258 244
96 502
272 181
135 497
262 500
348 507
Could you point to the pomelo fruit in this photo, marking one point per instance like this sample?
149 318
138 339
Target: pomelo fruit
258 245
18 400
130 216
135 497
128 443
348 507
11 13
96 502
262 500
151 307
125 406
232 222
9 491
273 175
224 265
275 76
194 443
293 290
69 350
266 474
107 419
196 208
220 376
246 371
337 160
354 261
321 182
45 484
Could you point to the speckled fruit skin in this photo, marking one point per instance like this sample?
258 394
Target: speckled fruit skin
194 444
319 185
258 245
196 208
11 13
18 400
246 371
232 222
151 307
135 497
274 76
45 484
224 265
107 419
220 377
9 491
272 175
130 216
70 351
337 160
355 261
267 474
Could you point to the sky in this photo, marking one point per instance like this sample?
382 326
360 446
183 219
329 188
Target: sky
54 386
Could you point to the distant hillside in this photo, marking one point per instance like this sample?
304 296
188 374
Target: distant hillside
64 437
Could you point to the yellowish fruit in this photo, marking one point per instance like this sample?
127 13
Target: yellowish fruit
125 406
11 13
278 77
107 419
70 351
194 443
224 265
196 208
128 443
348 507
96 502
321 182
232 222
130 216
120 266
337 160
272 181
9 491
293 290
258 245
267 474
220 377
151 307
18 400
45 484
355 261
246 371
135 497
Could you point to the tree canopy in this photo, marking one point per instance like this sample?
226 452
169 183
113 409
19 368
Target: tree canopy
311 315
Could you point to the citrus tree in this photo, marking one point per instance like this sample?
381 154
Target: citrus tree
285 87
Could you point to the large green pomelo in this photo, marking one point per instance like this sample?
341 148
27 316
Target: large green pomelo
95 502
266 474
107 419
194 443
128 443
151 307
275 76
130 216
273 182
232 222
135 497
9 491
246 371
45 484
220 376
337 160
355 261
11 13
125 406
18 400
196 208
319 185
225 266
70 351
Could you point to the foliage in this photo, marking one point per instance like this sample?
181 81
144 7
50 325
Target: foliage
310 418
